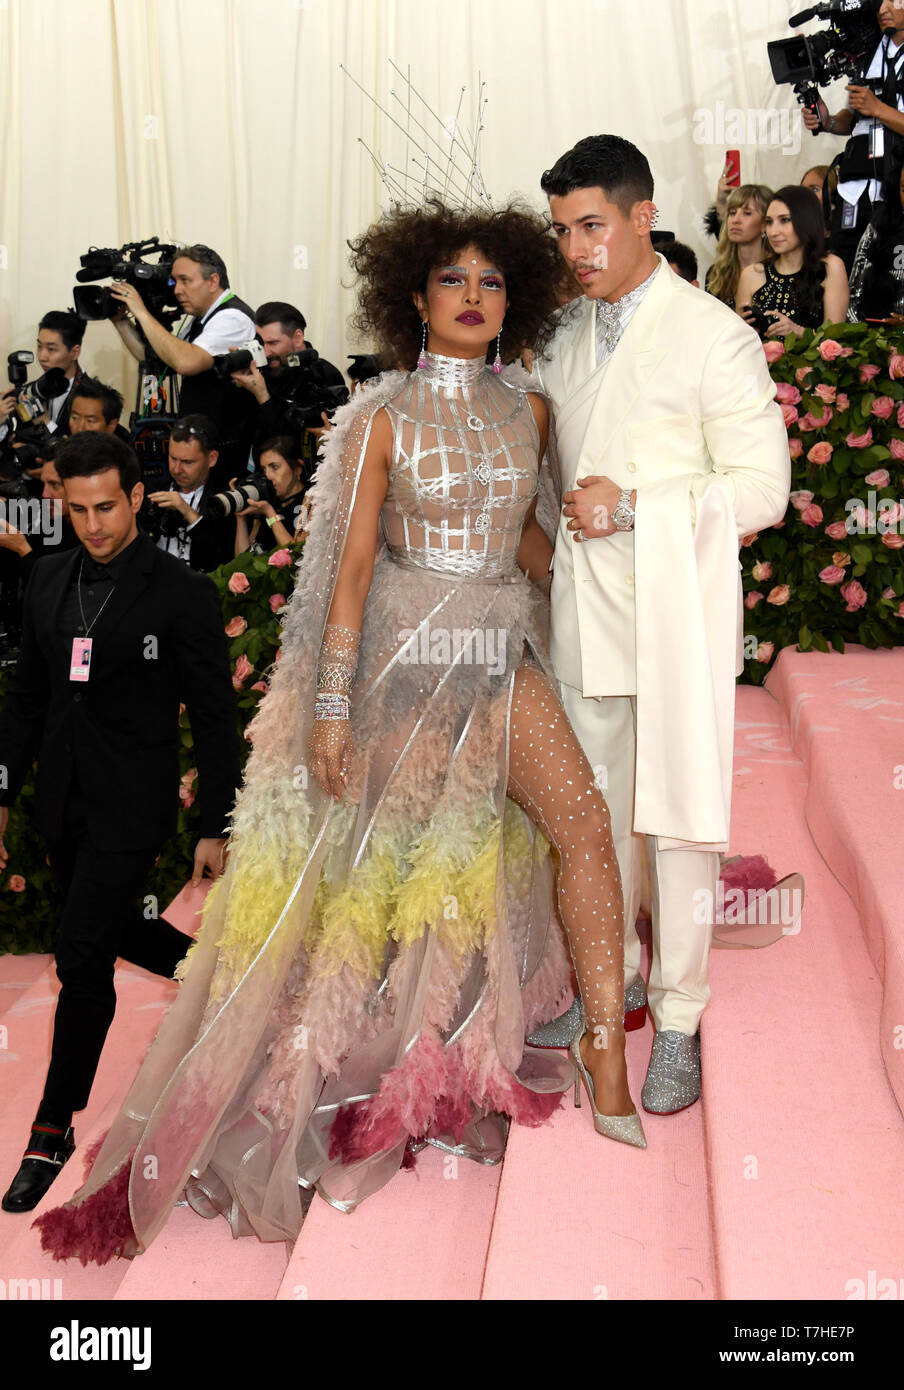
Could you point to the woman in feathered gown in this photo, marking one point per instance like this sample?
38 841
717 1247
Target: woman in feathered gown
385 931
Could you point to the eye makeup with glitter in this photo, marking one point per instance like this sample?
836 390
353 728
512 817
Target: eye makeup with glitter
455 275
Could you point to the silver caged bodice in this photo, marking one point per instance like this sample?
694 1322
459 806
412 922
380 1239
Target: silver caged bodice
463 473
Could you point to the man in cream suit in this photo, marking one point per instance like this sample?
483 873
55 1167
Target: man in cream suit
671 447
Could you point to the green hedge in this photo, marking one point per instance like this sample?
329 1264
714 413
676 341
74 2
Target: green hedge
29 899
823 577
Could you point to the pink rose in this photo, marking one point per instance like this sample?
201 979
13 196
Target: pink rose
896 366
896 448
842 402
753 598
841 558
901 416
868 371
802 498
831 574
899 613
241 671
764 651
812 515
821 452
188 777
795 448
847 352
279 558
786 394
860 441
831 349
777 525
888 593
276 602
186 796
855 594
238 583
762 570
789 415
773 351
815 422
16 883
890 513
800 376
824 392
262 686
236 626
882 407
879 477
779 595
749 540
837 530
893 539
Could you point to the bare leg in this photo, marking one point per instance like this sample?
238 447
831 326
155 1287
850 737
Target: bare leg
550 777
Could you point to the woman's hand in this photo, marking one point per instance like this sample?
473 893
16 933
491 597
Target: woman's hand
782 326
330 752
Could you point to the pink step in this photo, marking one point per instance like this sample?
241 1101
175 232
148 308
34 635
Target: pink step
801 1126
424 1236
197 1259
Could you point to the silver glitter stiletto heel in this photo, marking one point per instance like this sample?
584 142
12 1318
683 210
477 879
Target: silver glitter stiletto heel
625 1129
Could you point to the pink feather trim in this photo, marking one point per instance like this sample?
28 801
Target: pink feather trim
97 1230
750 871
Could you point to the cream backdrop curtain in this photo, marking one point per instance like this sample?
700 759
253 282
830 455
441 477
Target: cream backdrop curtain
229 122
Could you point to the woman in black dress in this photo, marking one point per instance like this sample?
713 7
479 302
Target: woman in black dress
804 286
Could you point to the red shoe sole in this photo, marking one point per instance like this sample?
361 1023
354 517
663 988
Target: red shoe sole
635 1018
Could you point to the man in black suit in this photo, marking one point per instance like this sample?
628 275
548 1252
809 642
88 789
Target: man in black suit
202 541
115 634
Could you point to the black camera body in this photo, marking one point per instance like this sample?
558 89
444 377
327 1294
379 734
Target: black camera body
27 437
810 61
152 279
303 394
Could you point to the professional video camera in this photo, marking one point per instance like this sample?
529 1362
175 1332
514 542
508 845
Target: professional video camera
814 60
152 280
23 444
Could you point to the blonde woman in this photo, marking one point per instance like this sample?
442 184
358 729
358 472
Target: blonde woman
742 240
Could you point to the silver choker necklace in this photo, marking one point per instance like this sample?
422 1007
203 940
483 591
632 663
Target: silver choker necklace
452 371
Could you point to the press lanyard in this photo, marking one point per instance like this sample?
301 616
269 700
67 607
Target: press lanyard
80 664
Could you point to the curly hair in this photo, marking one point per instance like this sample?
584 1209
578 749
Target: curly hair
395 256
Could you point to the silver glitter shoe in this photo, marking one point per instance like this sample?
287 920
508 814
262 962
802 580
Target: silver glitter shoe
673 1076
625 1129
560 1031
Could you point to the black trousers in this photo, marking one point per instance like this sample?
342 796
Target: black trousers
845 240
103 917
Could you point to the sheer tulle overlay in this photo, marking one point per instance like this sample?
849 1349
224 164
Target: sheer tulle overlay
366 969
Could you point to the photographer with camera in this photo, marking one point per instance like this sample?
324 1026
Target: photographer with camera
57 535
280 512
116 635
298 388
874 120
44 404
219 321
178 518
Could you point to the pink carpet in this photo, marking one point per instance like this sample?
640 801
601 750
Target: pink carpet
776 1186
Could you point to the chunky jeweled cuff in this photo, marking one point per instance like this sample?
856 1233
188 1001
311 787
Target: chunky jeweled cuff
336 671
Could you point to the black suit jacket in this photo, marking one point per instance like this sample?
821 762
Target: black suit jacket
159 642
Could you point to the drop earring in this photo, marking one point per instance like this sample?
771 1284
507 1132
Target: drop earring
497 365
422 360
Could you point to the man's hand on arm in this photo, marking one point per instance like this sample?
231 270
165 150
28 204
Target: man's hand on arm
251 379
590 506
11 539
210 859
185 358
172 501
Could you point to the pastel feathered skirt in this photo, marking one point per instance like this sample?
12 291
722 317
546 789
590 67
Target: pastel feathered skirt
367 969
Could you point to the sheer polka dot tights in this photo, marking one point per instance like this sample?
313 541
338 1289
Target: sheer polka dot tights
550 777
